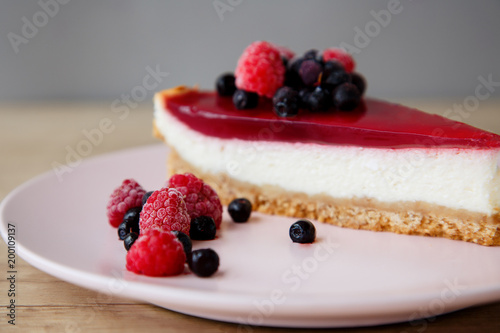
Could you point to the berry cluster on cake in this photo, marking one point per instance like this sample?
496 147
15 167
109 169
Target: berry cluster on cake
296 136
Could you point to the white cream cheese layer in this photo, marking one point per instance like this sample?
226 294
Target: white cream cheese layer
456 178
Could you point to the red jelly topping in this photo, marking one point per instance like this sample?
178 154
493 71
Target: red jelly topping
373 124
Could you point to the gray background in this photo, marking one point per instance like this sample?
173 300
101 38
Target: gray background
100 49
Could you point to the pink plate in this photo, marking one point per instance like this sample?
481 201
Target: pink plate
346 278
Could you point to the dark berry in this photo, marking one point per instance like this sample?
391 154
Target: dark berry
286 102
240 210
131 217
303 231
225 84
292 79
311 54
130 222
359 81
202 228
130 239
186 242
309 72
146 196
346 97
320 99
245 99
284 60
304 95
314 55
332 66
295 64
123 231
204 262
334 79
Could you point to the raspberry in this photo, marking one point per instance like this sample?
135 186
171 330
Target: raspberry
165 209
284 51
260 69
201 199
156 253
128 195
341 56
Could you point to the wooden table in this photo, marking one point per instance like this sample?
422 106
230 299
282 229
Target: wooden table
34 135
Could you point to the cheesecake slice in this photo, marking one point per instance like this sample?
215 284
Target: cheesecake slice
380 167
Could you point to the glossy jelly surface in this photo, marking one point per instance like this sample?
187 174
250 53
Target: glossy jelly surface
374 124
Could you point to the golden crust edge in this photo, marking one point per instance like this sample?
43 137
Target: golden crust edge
161 96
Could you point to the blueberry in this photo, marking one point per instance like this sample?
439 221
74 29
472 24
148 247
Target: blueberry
245 99
332 66
334 79
309 72
123 231
225 84
240 210
286 102
303 231
292 79
346 97
304 95
204 262
131 217
129 240
284 60
320 99
186 242
359 81
202 228
295 64
146 196
311 54
130 222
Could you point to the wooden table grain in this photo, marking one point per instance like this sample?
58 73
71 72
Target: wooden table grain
34 136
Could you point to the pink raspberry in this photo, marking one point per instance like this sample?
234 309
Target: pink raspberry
156 253
201 199
341 56
260 69
285 51
165 209
128 195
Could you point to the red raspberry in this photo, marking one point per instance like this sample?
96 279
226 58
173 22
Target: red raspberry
156 253
165 209
341 56
285 51
260 69
128 195
200 198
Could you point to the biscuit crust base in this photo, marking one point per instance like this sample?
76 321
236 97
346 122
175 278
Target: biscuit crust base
359 213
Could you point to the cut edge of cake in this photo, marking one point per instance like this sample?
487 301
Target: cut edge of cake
417 218
411 218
